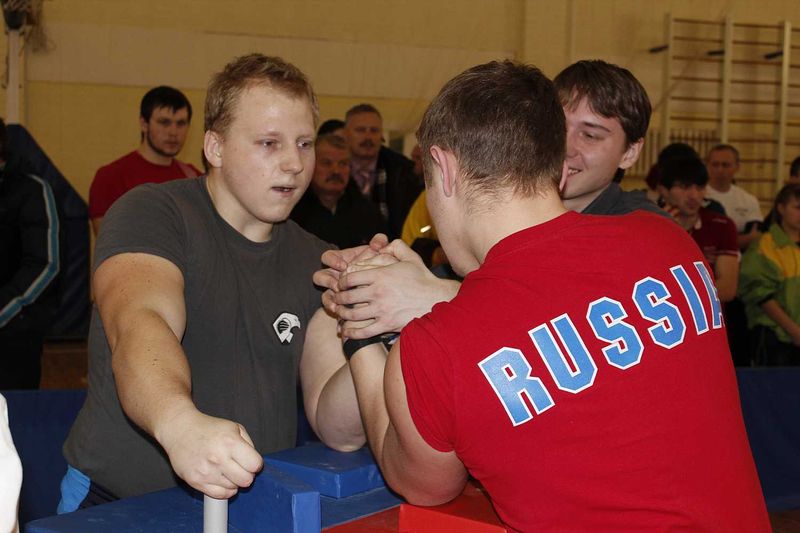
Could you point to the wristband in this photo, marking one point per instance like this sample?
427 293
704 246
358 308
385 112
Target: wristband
351 346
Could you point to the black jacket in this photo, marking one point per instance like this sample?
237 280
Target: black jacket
29 252
355 221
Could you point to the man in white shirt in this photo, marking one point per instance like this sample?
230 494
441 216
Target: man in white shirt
723 164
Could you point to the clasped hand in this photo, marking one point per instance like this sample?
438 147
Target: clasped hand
376 288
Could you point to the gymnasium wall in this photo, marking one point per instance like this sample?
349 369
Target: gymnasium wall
80 94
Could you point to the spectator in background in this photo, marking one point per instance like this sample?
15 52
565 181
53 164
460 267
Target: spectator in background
654 175
164 117
741 206
794 177
332 208
382 175
769 285
607 112
29 267
682 186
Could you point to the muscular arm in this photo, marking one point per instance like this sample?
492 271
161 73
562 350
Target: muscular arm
141 302
328 392
726 272
774 310
423 475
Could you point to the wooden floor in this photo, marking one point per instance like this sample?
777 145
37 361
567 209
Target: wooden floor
64 366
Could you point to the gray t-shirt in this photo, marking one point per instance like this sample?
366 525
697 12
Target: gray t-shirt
244 303
615 201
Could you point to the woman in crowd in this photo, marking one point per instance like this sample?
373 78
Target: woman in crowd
769 284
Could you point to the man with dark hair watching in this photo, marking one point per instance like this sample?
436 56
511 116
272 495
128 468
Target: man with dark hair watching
682 187
384 176
332 207
741 206
206 317
608 113
164 117
29 267
576 357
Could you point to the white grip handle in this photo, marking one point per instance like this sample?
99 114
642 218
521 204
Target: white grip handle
215 515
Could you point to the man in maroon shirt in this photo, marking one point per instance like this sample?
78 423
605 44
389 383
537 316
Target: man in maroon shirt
682 186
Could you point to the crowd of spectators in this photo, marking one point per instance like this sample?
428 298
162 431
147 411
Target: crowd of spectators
755 258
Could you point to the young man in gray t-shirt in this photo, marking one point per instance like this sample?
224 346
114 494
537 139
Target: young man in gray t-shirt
206 312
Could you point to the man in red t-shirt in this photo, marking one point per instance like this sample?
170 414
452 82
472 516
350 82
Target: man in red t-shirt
581 373
164 117
682 187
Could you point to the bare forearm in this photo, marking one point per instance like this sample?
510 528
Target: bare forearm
152 374
338 420
422 475
367 367
726 272
368 373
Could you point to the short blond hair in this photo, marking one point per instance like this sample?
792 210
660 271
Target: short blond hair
243 72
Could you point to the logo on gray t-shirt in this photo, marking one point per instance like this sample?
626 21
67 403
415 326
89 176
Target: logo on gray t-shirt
283 326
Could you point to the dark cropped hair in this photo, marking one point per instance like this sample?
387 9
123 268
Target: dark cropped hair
610 91
720 147
163 96
329 126
683 170
784 196
676 150
504 124
794 168
250 70
670 151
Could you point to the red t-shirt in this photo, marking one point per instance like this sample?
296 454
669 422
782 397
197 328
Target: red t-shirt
115 179
640 431
715 234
